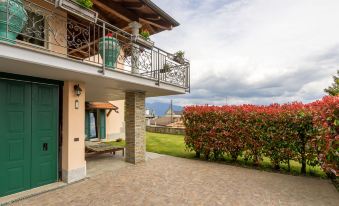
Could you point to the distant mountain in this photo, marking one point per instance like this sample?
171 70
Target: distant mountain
160 108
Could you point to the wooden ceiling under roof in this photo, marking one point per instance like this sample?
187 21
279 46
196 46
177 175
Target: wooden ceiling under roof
121 12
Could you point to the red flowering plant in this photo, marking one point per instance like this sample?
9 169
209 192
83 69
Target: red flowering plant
305 133
109 35
326 121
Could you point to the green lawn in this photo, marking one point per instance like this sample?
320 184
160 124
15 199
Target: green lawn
174 145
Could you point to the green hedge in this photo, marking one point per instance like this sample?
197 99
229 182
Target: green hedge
281 132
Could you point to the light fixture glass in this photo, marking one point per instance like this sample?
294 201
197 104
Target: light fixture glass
77 90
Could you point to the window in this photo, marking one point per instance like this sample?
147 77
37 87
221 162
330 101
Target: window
95 124
90 126
34 31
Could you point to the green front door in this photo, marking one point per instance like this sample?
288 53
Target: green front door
28 135
15 136
44 134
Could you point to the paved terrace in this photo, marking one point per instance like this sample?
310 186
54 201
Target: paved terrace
175 181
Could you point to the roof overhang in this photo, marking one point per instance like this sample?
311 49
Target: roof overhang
121 12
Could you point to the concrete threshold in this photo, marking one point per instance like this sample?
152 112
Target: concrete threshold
9 199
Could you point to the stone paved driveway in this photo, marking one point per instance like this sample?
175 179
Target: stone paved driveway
176 181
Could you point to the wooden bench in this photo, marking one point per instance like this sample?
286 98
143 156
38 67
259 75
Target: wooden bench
102 148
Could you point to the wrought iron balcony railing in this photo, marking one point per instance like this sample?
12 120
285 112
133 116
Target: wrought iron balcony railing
45 28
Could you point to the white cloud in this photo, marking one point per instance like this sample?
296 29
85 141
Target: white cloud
254 51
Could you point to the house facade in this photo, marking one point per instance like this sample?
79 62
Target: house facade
56 56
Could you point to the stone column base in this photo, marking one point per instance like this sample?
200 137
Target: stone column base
70 176
135 126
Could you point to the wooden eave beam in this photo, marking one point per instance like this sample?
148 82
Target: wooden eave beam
133 5
155 24
150 28
118 23
116 10
151 17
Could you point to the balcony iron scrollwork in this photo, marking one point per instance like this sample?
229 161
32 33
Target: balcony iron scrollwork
55 31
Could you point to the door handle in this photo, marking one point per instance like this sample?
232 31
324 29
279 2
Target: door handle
44 146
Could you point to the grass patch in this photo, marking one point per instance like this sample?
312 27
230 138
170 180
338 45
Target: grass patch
168 144
174 145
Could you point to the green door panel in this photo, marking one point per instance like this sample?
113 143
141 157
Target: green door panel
44 134
102 116
15 136
28 122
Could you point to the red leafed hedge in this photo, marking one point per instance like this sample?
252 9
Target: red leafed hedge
326 119
305 133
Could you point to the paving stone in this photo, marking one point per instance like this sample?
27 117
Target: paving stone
177 181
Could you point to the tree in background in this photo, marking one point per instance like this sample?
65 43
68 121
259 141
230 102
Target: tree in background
334 89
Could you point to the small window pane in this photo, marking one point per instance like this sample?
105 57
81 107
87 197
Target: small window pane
92 124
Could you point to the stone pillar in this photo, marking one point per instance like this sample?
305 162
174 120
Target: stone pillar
135 26
135 127
73 133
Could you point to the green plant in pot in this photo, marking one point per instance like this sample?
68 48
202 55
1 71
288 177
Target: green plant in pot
145 34
112 49
179 57
165 68
16 19
145 40
88 4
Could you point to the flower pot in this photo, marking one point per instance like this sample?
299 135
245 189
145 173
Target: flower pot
112 50
166 68
145 43
17 18
179 60
75 8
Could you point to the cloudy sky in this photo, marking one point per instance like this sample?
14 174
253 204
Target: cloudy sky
254 51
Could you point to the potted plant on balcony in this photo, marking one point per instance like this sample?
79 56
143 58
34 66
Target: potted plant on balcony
144 40
179 57
166 68
80 8
16 19
111 46
88 4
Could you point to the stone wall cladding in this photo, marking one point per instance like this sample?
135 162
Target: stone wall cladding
135 127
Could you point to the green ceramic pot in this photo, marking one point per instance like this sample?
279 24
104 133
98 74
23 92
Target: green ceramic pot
16 17
112 50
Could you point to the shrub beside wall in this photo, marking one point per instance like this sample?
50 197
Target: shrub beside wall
304 133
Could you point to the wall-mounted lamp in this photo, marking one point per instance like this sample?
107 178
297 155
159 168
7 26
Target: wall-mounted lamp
77 90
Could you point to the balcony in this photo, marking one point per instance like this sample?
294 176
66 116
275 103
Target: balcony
43 28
